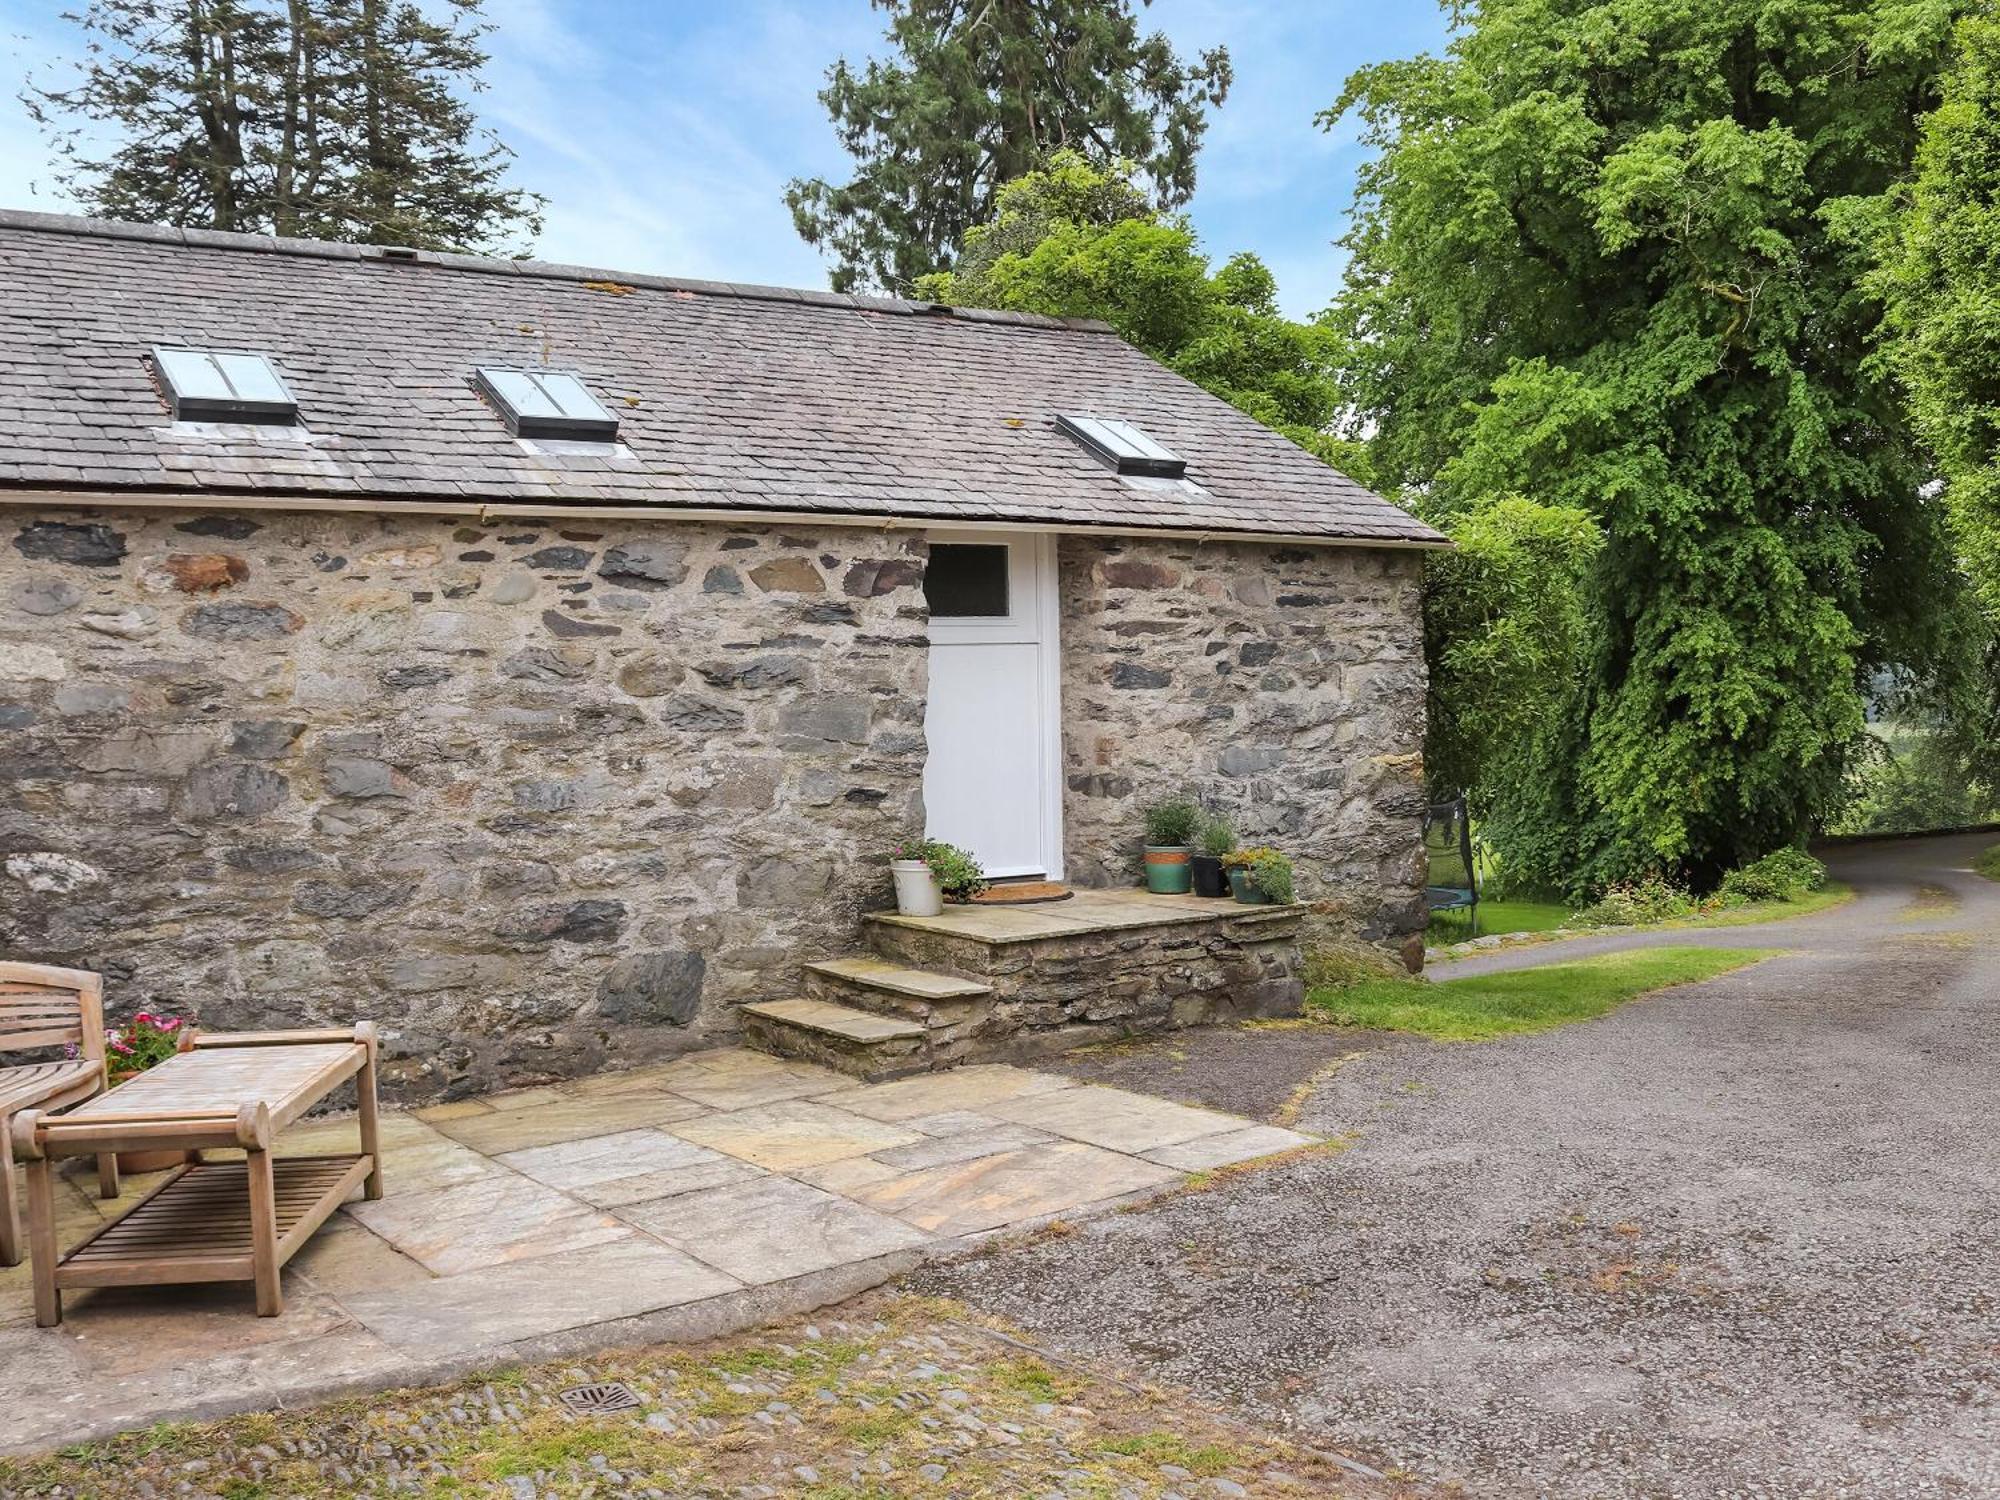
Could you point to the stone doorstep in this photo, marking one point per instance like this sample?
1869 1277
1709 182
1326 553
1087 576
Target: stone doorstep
1093 914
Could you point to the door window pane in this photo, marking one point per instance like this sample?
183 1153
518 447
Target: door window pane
966 582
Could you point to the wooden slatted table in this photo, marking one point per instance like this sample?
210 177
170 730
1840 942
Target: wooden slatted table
208 1221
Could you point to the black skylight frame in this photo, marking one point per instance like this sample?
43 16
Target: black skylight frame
224 385
1122 445
546 404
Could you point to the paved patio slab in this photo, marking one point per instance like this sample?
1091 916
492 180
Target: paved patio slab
679 1201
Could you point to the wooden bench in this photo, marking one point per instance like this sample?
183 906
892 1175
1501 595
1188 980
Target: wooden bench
41 1006
209 1220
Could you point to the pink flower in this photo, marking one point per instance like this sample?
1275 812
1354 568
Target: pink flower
171 1023
121 1047
144 1015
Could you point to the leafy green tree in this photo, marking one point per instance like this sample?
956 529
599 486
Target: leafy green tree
333 119
1507 632
981 92
1595 262
1942 286
1077 241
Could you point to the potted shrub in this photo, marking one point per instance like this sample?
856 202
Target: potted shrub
130 1051
1260 877
1170 831
927 871
1205 868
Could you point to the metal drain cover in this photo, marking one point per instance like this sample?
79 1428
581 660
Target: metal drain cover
600 1399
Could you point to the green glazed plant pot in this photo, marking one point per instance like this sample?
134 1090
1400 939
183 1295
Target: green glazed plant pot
1245 890
1169 869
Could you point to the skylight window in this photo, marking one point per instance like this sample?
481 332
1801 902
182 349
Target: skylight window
547 404
1123 446
217 385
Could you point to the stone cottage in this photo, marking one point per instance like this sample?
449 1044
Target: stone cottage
542 660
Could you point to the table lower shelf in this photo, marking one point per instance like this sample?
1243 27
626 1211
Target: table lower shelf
195 1226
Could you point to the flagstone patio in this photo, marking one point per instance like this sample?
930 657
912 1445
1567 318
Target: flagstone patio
681 1201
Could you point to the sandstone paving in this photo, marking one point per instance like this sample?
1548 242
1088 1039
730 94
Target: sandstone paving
773 1229
978 1087
705 1194
1116 1119
793 1133
1228 1148
566 1119
503 1303
1013 1187
629 1167
964 1145
732 1078
486 1222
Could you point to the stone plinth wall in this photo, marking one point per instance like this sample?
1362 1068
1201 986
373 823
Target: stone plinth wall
1282 685
1055 992
535 796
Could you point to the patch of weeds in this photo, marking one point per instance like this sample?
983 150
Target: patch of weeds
1988 863
726 1404
869 1430
1522 1001
1032 1378
1930 901
1206 1460
1338 960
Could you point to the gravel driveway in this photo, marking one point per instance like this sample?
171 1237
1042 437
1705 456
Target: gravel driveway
1737 1239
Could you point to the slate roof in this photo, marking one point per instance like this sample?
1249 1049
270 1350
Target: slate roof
735 397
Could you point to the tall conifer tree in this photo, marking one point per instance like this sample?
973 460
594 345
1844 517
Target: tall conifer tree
981 92
333 119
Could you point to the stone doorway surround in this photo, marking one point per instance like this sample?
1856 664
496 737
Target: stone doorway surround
718 1191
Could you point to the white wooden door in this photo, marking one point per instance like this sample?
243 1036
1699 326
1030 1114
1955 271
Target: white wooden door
993 773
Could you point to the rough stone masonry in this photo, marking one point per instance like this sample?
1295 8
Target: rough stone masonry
1283 686
531 795
541 795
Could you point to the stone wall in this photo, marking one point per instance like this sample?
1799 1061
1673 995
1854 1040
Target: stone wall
1282 685
1238 963
536 796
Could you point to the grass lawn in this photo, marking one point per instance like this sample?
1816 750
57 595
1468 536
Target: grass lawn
1485 1006
1507 917
1988 863
1499 916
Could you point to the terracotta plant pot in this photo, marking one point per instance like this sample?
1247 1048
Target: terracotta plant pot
1168 869
917 893
1206 871
151 1161
1245 889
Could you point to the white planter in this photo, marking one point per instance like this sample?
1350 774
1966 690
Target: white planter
917 893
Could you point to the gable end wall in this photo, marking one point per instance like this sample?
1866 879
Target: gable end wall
1284 686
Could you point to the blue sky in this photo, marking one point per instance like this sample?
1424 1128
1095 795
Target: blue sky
663 131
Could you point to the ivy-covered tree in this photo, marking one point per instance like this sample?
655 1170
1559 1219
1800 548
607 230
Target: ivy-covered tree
980 92
1595 263
1075 240
331 119
1942 286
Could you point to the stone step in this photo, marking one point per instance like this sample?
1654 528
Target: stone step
867 978
867 1046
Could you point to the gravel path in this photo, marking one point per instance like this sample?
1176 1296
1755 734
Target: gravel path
1736 1239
